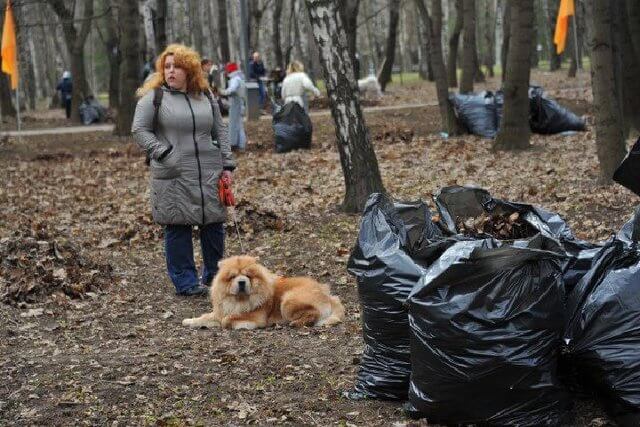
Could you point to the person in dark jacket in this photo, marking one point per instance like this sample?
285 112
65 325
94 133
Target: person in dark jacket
65 86
256 71
189 151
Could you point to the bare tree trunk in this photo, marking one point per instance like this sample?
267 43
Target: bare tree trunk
112 46
630 69
469 46
433 29
277 44
358 159
195 19
550 8
489 36
608 118
24 58
371 40
633 20
573 67
223 31
506 36
349 15
128 17
75 40
514 130
454 41
161 25
384 76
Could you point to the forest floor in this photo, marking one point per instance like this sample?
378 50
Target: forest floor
75 214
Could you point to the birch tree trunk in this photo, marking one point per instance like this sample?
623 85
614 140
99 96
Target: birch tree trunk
452 70
469 45
147 19
75 40
358 159
384 76
128 17
433 28
514 130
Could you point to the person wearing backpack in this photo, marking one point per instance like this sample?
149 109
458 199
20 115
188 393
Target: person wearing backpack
178 124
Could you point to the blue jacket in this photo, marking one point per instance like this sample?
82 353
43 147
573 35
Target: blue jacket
65 87
256 70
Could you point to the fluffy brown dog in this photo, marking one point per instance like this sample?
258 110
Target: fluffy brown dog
245 295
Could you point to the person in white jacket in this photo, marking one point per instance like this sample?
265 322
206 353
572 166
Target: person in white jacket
297 84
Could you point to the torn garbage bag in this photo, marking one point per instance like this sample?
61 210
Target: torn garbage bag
457 203
546 116
603 329
292 128
486 323
390 234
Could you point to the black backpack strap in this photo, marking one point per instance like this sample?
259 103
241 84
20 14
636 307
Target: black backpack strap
157 101
214 131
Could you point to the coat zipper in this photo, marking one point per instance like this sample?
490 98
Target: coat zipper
195 143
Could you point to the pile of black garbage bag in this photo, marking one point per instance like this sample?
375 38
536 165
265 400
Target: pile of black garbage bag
292 128
481 113
472 329
91 111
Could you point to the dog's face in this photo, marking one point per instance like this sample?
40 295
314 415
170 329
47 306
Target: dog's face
242 277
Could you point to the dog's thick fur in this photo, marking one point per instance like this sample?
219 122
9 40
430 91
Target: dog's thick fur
245 295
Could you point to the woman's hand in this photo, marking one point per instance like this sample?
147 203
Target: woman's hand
227 175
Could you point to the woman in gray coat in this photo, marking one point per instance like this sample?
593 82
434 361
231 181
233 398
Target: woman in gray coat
186 141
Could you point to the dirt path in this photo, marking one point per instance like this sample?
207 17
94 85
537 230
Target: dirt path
109 127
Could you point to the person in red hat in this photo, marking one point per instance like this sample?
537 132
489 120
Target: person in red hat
237 93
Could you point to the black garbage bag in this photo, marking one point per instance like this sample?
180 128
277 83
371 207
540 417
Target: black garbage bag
457 202
292 128
91 111
486 327
476 112
546 116
390 234
603 329
628 173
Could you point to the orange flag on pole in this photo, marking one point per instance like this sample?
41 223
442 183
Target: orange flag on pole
567 9
8 49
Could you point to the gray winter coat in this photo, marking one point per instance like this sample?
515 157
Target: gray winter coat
184 183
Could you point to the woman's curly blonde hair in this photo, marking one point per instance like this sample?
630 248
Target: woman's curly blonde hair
184 57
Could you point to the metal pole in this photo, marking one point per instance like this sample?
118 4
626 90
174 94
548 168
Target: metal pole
244 36
575 38
18 111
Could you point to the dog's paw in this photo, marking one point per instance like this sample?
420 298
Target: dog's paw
244 325
187 322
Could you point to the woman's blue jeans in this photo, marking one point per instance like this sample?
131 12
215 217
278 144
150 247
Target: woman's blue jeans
178 247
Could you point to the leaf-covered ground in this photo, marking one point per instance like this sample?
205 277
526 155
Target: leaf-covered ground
119 355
